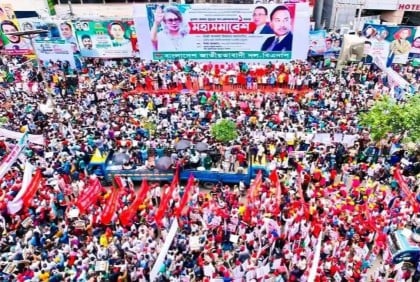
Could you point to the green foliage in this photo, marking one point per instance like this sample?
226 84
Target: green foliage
389 117
224 130
51 7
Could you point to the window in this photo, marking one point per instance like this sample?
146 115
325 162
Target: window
115 1
72 1
93 1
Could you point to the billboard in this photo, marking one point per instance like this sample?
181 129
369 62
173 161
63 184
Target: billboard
55 50
106 39
392 44
228 32
11 44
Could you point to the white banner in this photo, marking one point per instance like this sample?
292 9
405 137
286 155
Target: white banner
10 159
15 205
164 250
55 50
315 262
35 139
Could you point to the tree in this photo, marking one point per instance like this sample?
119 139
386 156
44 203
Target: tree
387 116
224 130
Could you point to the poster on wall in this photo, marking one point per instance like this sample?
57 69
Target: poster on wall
106 39
415 46
317 42
55 50
11 44
392 44
228 32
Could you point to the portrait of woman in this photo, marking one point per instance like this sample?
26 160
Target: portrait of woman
401 45
117 33
168 30
14 42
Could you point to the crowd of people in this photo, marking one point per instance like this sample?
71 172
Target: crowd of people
329 185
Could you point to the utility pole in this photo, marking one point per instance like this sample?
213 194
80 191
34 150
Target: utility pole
70 9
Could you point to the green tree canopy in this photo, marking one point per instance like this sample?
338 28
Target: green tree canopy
387 116
224 130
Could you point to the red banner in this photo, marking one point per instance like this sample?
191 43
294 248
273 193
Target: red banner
255 187
111 207
89 196
32 188
166 197
128 214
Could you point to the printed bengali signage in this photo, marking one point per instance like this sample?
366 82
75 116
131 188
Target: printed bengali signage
392 44
55 50
106 39
11 44
238 32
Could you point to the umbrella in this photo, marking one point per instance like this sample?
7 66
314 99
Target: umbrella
201 146
163 163
182 145
120 158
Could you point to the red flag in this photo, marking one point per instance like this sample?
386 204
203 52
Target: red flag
166 197
183 204
404 187
255 186
127 215
119 182
111 207
32 188
89 196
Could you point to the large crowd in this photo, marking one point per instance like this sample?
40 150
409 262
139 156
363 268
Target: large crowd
323 189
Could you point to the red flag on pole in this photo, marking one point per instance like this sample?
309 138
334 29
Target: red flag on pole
166 197
183 205
299 170
404 187
255 186
32 188
128 214
111 207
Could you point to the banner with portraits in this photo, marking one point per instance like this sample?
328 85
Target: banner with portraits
392 44
55 50
225 32
106 39
12 44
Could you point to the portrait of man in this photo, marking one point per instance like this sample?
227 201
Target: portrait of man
260 19
367 58
87 45
281 23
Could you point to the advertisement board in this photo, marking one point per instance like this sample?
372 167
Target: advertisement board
55 50
11 44
391 44
106 39
228 32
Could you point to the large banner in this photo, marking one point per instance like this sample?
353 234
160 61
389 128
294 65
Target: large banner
11 44
227 32
55 50
391 44
106 39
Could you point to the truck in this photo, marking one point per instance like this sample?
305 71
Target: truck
105 168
